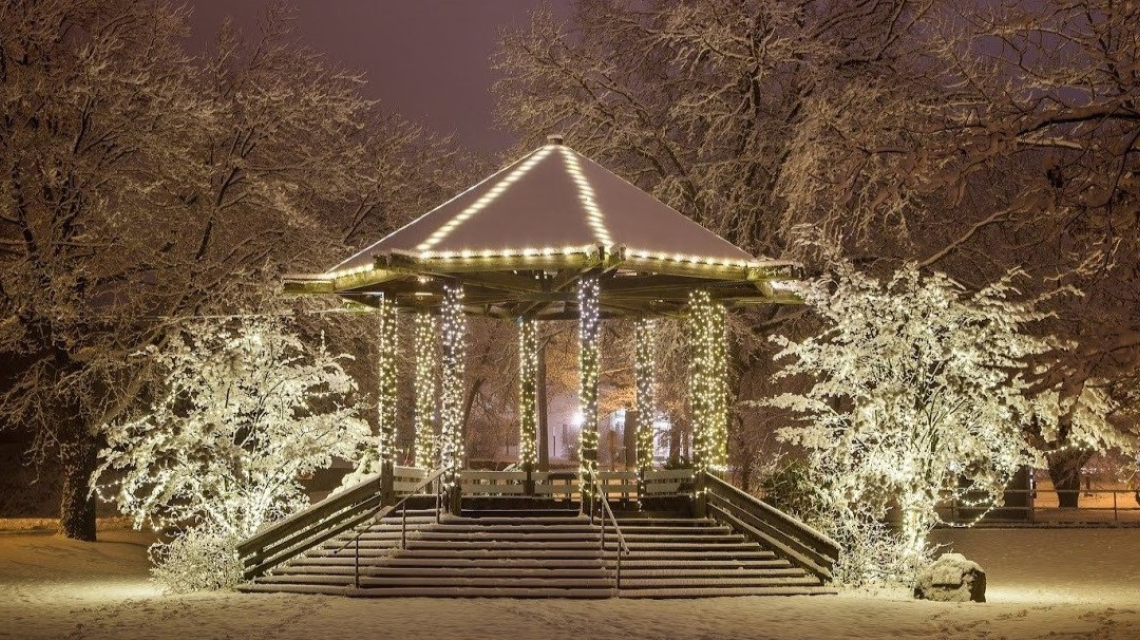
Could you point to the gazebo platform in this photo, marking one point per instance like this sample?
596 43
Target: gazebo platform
661 542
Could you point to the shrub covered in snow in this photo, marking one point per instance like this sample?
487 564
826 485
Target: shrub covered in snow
918 392
199 559
244 413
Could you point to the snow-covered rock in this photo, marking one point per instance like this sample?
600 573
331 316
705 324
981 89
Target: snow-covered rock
951 578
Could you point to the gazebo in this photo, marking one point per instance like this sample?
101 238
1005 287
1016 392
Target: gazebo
552 236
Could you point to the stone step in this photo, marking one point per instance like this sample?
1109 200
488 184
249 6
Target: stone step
719 582
296 572
723 592
602 582
481 592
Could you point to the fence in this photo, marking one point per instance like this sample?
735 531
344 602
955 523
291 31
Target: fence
1042 506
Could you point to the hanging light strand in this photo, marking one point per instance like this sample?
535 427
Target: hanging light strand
424 346
454 329
708 382
386 394
588 356
528 392
645 387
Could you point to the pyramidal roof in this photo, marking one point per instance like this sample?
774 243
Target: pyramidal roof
553 200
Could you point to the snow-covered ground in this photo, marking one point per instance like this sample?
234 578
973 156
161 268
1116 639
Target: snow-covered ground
1059 583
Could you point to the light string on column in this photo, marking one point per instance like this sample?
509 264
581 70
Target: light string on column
588 356
645 390
454 330
528 392
708 382
423 337
386 395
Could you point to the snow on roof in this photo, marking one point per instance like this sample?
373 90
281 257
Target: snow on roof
552 199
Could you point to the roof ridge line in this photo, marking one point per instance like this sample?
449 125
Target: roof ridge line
595 217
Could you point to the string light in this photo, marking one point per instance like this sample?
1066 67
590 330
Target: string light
386 393
454 329
708 382
528 392
423 338
645 383
588 325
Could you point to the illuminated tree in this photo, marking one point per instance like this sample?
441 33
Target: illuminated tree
244 414
919 392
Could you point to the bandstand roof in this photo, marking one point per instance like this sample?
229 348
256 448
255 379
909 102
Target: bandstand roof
519 240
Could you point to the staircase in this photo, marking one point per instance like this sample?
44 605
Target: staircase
540 553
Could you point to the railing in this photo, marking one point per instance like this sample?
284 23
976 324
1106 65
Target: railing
563 485
803 545
1042 506
320 522
598 496
382 511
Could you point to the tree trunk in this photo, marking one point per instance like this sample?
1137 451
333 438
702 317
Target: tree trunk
1065 471
77 504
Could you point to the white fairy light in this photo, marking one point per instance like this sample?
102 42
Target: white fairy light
708 382
424 347
588 355
386 394
454 329
645 383
528 392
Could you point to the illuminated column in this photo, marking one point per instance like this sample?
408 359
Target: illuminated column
588 325
645 388
454 328
708 382
388 346
424 339
528 392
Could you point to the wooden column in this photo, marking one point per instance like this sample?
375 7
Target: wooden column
528 398
386 394
454 342
708 390
645 395
589 323
426 451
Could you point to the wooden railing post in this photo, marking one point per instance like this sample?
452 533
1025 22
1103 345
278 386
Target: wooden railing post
387 482
700 495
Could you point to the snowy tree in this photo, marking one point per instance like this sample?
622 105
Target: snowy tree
971 137
920 392
144 185
245 414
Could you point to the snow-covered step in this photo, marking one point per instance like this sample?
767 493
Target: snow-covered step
712 592
539 553
481 592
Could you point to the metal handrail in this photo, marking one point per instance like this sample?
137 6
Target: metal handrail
382 510
623 548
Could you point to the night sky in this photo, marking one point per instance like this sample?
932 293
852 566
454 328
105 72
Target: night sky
424 59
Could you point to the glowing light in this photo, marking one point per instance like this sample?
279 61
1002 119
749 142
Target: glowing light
424 346
528 392
440 234
588 355
708 382
388 338
454 329
594 216
645 383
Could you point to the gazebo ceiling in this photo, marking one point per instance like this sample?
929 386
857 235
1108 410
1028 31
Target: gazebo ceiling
520 238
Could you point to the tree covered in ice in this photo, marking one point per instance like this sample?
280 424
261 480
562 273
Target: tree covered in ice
245 413
146 184
920 391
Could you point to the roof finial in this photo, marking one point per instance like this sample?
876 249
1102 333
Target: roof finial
556 138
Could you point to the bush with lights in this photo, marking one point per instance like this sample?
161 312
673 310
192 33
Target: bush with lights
920 392
242 413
